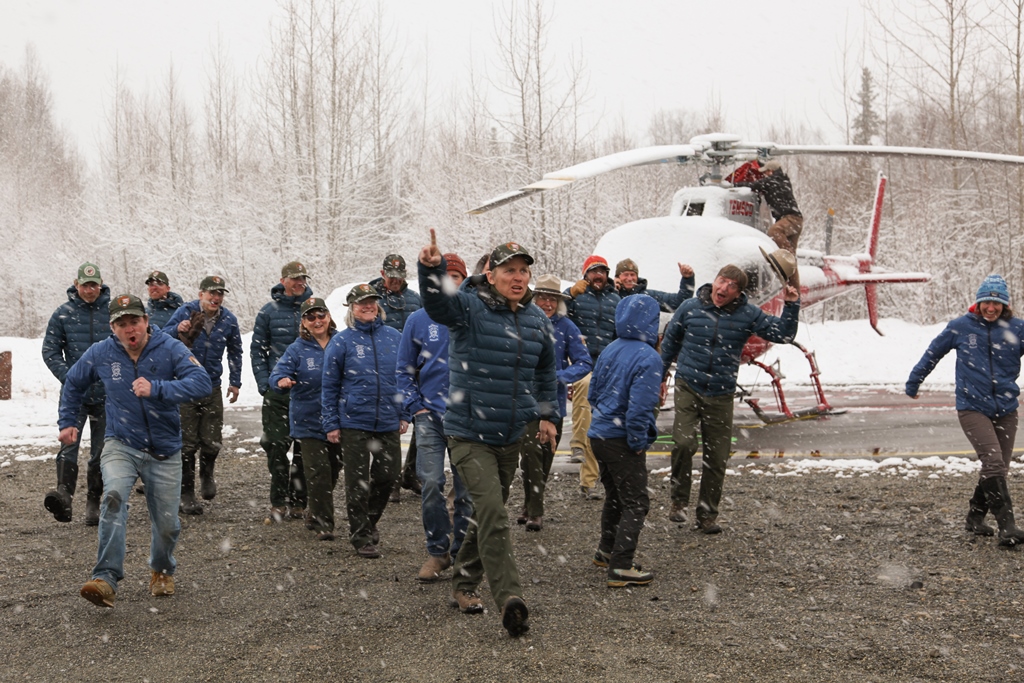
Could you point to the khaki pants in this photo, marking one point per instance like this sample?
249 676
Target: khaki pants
580 425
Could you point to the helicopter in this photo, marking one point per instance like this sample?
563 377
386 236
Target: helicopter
716 223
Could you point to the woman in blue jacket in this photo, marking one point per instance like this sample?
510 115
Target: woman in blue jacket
989 343
300 372
362 410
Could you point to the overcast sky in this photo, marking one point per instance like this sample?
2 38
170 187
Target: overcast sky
764 61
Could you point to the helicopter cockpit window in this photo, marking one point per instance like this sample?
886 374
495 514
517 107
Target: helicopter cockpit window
762 284
695 209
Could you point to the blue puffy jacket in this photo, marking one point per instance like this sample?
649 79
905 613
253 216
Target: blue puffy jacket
150 424
209 348
161 310
502 363
669 300
572 360
594 313
626 387
987 363
397 307
359 389
73 328
303 361
277 326
423 365
706 342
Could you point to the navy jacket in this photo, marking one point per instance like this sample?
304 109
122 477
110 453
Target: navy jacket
73 328
669 301
706 342
161 310
594 313
303 361
572 360
502 363
277 326
422 371
359 389
397 307
626 387
209 349
150 424
987 363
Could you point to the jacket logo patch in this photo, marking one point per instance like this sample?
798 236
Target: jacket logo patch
311 363
432 333
360 351
115 371
972 341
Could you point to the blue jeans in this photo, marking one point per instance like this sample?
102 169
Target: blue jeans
96 414
431 445
121 466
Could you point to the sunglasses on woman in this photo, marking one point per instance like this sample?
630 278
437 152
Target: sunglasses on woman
315 315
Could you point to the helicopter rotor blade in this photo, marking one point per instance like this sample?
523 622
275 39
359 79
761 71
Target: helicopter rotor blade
883 151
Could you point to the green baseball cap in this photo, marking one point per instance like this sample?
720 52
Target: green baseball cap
125 304
213 283
158 277
394 266
504 252
311 304
294 269
360 292
89 272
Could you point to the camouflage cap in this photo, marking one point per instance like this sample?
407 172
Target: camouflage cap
361 292
89 272
394 266
626 265
158 277
311 304
504 252
125 304
294 270
213 283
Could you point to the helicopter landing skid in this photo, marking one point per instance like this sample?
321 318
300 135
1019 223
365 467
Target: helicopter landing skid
785 414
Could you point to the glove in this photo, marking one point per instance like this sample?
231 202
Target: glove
578 288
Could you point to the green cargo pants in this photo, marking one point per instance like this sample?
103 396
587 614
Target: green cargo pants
202 423
713 416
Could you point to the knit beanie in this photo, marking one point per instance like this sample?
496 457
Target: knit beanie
595 261
626 264
993 288
455 263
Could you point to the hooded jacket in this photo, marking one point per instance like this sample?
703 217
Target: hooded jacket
277 326
987 363
706 342
593 312
209 348
398 307
150 424
572 360
73 328
502 362
669 301
359 389
422 371
626 386
161 310
303 361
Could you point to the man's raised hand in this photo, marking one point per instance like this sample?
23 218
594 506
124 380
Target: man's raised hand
430 255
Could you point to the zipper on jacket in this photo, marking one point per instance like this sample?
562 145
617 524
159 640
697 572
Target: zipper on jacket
515 373
992 372
142 405
376 372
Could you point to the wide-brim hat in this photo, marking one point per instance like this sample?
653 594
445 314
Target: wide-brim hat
549 285
782 263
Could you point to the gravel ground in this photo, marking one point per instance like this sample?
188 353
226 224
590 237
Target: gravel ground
814 579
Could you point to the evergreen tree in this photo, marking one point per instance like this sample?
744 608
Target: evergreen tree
867 123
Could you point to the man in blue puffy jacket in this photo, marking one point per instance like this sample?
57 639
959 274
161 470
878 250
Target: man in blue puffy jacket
75 326
624 395
277 326
145 377
162 301
208 328
705 338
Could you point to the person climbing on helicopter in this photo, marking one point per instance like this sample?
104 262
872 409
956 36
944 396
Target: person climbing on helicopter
777 191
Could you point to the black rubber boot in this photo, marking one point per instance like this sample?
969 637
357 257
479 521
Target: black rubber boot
997 494
297 481
189 505
975 522
94 480
207 484
58 501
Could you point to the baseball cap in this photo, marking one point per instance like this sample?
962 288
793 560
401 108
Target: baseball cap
394 266
125 304
312 303
158 277
294 269
504 252
89 272
360 292
213 283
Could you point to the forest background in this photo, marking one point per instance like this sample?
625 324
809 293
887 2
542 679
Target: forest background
326 153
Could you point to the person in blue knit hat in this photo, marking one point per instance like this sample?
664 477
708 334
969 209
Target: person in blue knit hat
989 343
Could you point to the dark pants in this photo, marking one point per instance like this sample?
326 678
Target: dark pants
624 476
487 471
992 439
535 461
202 422
322 460
67 456
371 461
713 416
287 480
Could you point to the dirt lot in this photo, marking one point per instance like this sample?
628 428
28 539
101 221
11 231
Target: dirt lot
814 579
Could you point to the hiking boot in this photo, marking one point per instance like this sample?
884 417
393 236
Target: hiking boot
514 617
413 484
620 578
523 517
161 584
276 515
368 551
577 456
296 512
601 558
468 602
189 505
678 514
707 526
92 511
975 522
535 524
374 534
58 503
997 495
432 568
591 493
98 592
207 484
325 536
396 494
